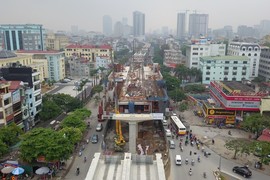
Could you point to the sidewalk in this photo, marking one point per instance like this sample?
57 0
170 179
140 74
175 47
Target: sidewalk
207 132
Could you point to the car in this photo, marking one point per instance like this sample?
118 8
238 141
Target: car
99 127
243 171
171 144
178 160
94 139
168 132
164 122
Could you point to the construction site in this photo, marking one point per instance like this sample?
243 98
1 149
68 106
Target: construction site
136 89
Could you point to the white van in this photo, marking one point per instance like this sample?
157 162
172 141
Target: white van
178 160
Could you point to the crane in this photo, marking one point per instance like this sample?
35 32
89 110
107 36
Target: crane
119 140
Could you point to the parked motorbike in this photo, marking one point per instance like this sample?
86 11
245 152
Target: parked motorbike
204 174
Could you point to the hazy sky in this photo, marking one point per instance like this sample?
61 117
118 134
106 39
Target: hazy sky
87 14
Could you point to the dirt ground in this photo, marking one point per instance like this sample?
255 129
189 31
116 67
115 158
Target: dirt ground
220 136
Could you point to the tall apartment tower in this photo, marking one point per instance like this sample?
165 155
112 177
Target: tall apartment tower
107 25
22 37
138 24
181 25
198 25
251 50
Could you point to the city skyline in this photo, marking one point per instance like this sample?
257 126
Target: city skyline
62 14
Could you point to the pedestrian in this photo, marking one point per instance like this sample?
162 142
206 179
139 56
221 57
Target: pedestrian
190 153
213 141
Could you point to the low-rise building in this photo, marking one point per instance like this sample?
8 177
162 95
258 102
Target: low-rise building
172 58
224 68
56 41
89 52
55 63
32 86
250 50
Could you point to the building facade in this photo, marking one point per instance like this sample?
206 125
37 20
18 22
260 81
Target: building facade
264 65
56 41
138 24
107 25
224 68
200 48
32 85
89 52
172 58
181 25
22 37
55 61
198 25
251 50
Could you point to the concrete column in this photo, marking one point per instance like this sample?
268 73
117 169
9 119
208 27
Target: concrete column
133 134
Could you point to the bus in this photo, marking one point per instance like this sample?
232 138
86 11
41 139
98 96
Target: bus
177 126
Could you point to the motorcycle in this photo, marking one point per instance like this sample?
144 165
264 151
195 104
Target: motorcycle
190 172
199 159
204 174
181 148
77 171
85 159
80 153
186 161
192 162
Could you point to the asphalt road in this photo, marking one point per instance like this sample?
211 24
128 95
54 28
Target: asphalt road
90 149
207 164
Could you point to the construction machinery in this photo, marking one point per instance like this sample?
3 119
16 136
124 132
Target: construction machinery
119 140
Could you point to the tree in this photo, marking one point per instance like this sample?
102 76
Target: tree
239 146
97 89
3 148
183 106
263 150
195 88
45 142
10 134
183 49
177 95
74 135
256 123
49 110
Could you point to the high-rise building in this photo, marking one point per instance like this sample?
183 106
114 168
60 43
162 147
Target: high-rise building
118 29
181 25
22 37
138 24
74 29
198 25
107 25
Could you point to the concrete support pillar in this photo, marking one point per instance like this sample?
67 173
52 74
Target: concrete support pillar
133 134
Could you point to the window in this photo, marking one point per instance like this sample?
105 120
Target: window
194 53
226 73
249 54
207 78
234 79
255 54
208 62
201 48
234 73
234 68
227 62
226 68
244 73
208 67
225 79
208 73
243 54
244 68
245 62
235 62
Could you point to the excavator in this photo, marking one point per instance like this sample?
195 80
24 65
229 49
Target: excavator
119 140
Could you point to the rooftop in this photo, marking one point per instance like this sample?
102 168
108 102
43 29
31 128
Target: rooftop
38 52
88 46
7 54
226 58
237 86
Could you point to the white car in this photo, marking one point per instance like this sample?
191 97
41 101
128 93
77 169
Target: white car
168 133
164 122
